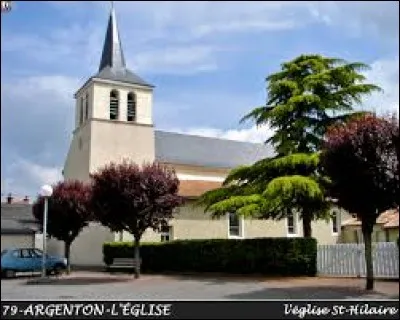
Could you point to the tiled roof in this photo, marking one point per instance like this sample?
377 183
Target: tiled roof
388 219
195 188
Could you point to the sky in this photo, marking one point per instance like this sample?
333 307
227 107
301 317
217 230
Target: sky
207 60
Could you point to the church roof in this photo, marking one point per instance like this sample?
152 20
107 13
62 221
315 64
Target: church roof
207 152
112 63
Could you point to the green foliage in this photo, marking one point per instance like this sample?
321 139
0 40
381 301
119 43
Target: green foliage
307 95
268 256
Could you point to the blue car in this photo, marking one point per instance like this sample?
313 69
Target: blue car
18 260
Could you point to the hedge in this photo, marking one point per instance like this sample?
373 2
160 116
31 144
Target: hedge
268 256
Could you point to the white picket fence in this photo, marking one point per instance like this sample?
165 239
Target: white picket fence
348 260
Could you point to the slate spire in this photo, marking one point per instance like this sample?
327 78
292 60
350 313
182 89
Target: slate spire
112 55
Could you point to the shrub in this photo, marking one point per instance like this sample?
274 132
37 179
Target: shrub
269 256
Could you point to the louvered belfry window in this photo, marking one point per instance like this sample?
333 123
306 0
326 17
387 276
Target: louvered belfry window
114 104
87 106
131 114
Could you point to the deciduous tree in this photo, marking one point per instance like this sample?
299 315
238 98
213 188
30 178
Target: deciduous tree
127 197
361 158
68 212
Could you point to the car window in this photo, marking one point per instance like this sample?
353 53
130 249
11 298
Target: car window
16 254
37 252
25 253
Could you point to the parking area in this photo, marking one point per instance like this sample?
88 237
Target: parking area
97 285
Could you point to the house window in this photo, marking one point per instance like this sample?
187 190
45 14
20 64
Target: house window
131 116
235 225
114 105
81 112
87 106
166 233
291 224
335 222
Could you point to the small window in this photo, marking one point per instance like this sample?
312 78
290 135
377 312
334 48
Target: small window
335 222
291 224
234 225
87 106
131 101
166 233
81 112
114 105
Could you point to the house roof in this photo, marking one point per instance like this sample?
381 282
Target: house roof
195 188
387 219
208 152
17 218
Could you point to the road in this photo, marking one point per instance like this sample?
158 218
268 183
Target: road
85 285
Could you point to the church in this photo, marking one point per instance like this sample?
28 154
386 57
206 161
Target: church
114 121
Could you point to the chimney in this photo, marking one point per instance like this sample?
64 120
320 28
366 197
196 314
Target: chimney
26 199
9 198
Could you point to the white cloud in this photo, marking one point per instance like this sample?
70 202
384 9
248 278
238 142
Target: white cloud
375 18
384 73
51 89
181 60
25 177
253 134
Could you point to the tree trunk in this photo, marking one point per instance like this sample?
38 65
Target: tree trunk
137 258
367 234
307 232
67 253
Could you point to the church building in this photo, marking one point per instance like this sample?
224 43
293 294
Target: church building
114 121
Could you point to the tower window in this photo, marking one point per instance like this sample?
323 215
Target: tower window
131 115
114 105
87 106
81 112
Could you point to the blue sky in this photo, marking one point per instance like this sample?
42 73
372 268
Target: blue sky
208 61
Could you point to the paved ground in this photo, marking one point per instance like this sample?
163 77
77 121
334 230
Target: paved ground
91 285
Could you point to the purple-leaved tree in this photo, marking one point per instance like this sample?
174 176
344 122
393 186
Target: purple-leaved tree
68 212
127 197
361 158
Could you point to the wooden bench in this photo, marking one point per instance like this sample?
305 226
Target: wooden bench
124 263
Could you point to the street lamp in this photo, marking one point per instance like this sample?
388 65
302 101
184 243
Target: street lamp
45 191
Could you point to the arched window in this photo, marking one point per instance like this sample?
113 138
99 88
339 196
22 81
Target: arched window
87 106
131 115
81 112
114 105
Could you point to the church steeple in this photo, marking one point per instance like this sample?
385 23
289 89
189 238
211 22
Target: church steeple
112 64
113 55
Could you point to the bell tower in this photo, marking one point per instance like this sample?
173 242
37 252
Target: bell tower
113 114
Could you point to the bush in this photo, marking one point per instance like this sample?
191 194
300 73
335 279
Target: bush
269 256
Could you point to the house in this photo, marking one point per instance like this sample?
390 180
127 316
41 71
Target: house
113 121
18 226
386 228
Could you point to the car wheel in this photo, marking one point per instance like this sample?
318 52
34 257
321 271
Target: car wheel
58 269
9 273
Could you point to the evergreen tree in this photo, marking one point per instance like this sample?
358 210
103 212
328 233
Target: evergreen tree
308 94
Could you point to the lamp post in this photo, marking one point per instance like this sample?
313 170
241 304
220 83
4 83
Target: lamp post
46 191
